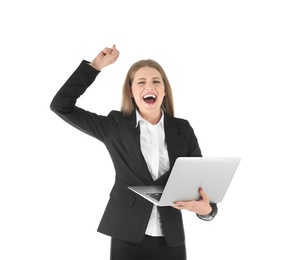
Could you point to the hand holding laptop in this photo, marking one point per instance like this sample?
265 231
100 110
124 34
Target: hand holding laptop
200 207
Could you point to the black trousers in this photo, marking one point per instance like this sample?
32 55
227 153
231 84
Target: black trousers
151 248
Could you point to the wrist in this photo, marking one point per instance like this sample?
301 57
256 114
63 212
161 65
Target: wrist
206 212
211 215
95 66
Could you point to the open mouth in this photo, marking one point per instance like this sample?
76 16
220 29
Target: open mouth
150 98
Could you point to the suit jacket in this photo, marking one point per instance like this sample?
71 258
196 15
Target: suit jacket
127 214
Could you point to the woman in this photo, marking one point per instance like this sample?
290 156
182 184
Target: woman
143 139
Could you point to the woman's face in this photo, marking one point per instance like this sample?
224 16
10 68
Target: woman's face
148 91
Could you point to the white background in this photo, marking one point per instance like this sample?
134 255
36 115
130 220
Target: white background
238 72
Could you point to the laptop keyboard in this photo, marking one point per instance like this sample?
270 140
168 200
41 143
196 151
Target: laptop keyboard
156 196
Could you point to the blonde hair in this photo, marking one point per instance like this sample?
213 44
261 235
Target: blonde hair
128 105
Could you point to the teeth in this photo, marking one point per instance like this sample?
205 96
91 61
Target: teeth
149 95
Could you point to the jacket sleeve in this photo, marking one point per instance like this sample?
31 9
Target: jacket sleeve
64 103
194 150
193 146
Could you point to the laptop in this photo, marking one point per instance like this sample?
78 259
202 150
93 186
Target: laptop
212 174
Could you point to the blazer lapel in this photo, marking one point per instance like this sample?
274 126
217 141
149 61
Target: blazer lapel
131 138
174 146
173 140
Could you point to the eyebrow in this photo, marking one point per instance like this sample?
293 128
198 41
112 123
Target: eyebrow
152 78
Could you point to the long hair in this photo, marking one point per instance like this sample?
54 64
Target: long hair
128 104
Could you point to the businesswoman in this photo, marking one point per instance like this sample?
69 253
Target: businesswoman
143 139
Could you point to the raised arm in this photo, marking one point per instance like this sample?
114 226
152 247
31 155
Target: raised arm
64 102
65 99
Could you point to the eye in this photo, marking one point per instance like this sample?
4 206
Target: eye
156 81
141 82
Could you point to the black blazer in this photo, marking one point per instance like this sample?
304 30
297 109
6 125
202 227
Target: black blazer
127 214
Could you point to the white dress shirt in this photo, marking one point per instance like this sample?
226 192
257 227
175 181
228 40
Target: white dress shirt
154 150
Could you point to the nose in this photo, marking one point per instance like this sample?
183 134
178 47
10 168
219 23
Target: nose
148 88
149 85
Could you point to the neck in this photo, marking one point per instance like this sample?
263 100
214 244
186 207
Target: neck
152 118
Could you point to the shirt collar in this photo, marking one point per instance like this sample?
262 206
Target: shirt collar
140 118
